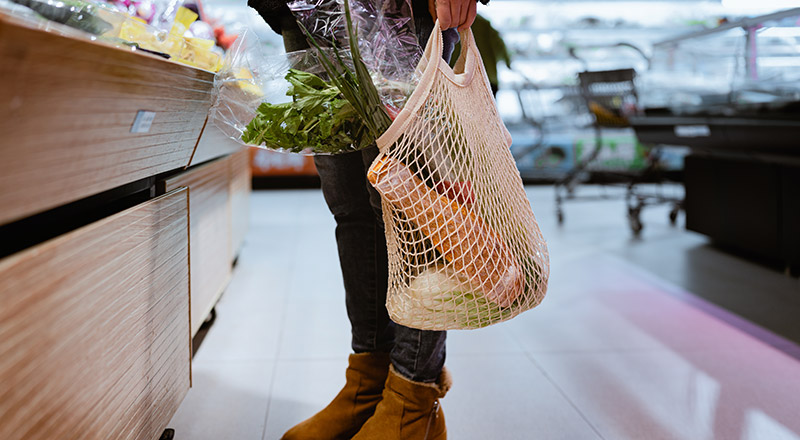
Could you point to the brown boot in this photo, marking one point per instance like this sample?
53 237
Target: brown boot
408 411
355 403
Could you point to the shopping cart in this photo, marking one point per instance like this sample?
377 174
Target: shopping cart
610 96
548 112
607 95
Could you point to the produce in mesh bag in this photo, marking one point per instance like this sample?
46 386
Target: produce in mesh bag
465 250
461 237
448 297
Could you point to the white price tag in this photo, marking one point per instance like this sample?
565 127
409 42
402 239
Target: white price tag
143 121
692 131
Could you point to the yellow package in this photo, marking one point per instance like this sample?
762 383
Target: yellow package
137 31
198 52
248 83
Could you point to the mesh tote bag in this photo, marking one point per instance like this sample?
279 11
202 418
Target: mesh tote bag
465 250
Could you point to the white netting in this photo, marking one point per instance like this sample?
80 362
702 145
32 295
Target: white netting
465 250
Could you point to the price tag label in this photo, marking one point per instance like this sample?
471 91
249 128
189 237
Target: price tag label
692 131
143 121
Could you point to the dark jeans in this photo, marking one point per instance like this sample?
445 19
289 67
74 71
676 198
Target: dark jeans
416 354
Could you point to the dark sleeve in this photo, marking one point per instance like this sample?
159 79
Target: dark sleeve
272 11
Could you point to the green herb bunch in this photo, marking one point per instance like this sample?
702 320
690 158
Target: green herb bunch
316 120
342 115
356 87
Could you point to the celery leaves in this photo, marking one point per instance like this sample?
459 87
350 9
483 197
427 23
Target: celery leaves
317 120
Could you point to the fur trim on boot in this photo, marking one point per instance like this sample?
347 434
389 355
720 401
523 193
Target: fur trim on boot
409 410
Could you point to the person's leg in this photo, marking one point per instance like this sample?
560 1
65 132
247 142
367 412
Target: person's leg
409 408
362 247
362 257
417 354
363 260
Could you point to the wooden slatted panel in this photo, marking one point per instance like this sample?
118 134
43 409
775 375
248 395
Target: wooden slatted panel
213 144
241 186
209 233
68 108
94 328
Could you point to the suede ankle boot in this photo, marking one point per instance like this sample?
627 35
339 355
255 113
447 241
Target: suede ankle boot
409 410
355 403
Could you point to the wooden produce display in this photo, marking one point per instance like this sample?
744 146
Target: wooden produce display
79 117
213 144
94 328
240 188
96 324
209 233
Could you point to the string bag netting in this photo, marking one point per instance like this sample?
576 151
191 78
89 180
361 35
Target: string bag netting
465 250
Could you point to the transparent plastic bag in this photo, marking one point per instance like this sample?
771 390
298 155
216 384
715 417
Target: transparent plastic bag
387 38
252 84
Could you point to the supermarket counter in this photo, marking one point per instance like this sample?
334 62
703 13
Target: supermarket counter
743 178
122 214
769 130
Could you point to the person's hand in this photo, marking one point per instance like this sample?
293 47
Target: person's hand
453 13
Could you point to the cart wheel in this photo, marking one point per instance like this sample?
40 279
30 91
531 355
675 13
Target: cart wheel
673 216
634 221
168 434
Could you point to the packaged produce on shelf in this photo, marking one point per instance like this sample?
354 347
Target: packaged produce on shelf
93 18
144 36
193 51
145 10
103 23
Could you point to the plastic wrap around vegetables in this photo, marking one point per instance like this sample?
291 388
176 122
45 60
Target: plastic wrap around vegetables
365 49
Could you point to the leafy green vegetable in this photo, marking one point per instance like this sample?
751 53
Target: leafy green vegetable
317 119
357 89
345 114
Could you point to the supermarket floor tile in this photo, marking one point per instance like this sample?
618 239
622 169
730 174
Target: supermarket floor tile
612 306
249 315
315 329
489 341
655 395
505 396
228 401
300 389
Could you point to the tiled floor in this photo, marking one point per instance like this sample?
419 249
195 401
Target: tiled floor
621 348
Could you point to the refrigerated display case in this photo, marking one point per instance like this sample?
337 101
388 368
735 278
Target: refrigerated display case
732 95
728 88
